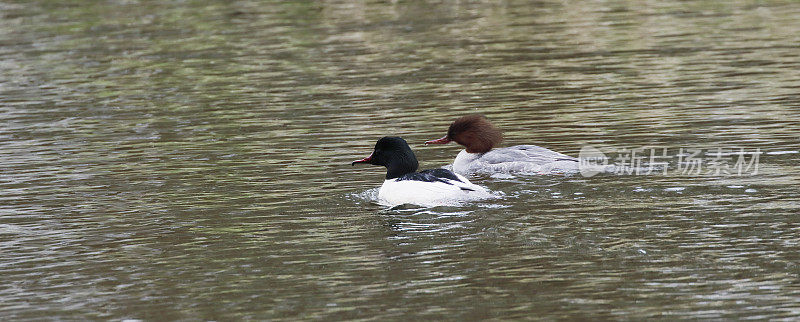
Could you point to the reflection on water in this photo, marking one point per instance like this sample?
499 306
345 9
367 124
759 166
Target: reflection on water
190 160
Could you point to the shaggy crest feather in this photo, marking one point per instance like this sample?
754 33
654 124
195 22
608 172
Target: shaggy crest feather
475 132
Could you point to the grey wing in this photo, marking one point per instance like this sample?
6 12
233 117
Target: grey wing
526 153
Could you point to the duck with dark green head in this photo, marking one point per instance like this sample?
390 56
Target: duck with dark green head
404 185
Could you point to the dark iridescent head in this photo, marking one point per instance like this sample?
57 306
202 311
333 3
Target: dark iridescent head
394 154
474 132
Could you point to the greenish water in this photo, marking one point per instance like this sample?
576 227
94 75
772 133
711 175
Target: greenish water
191 159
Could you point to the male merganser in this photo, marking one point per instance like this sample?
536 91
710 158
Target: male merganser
479 136
404 185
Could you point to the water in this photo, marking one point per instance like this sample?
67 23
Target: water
190 159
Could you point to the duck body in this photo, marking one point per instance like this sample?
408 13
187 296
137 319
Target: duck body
519 158
429 188
404 185
479 137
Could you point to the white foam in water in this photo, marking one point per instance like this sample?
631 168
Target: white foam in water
751 190
735 187
370 195
14 229
782 152
494 206
675 189
502 176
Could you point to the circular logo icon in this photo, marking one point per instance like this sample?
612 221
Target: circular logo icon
592 161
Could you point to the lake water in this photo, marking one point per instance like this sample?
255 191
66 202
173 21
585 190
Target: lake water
190 160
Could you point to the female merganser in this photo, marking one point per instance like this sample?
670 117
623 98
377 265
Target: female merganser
479 136
404 185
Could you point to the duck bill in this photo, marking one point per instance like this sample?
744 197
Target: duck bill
443 140
364 160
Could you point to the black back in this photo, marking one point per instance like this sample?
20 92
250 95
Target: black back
432 175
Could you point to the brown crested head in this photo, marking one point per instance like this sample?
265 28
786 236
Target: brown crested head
475 132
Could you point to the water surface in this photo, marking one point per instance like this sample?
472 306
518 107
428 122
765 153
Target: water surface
191 159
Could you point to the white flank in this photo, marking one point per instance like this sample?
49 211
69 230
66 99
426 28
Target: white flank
429 194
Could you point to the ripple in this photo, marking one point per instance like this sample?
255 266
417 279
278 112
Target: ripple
191 160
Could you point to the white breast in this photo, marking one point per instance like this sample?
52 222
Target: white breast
465 161
429 194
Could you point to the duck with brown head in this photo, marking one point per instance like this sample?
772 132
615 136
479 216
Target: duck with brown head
480 137
474 132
